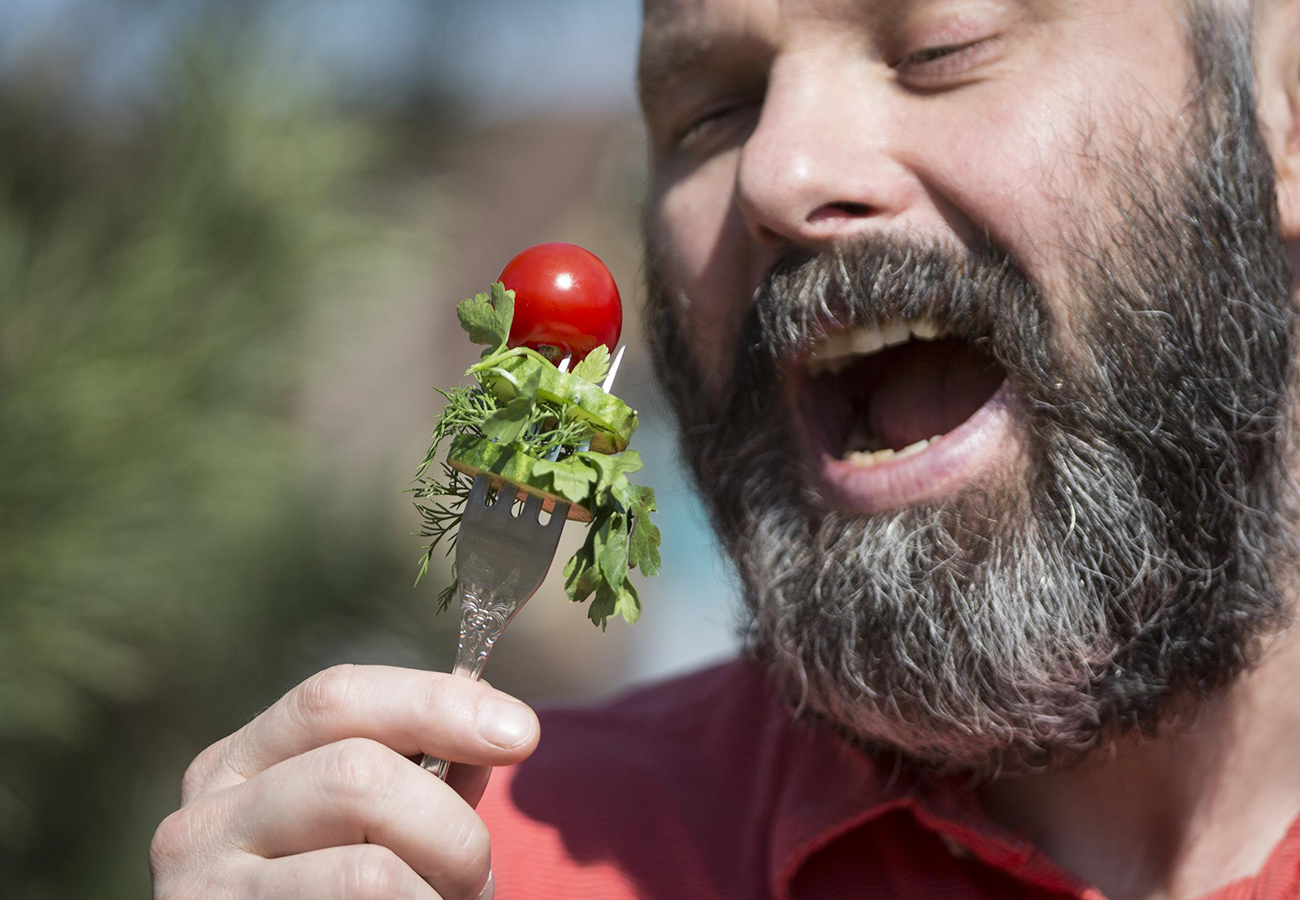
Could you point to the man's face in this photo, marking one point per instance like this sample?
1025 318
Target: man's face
779 123
1064 212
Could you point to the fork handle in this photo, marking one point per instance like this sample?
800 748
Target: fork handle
435 764
481 624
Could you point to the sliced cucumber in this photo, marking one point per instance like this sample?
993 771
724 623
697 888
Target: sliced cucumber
610 416
509 464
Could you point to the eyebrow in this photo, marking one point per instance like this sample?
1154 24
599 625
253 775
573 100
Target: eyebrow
679 50
678 47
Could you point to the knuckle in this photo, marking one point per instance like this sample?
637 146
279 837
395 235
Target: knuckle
373 872
199 772
172 844
324 694
356 770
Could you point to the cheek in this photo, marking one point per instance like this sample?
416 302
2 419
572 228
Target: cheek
706 261
1042 173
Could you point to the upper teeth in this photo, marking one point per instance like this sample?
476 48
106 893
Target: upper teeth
834 351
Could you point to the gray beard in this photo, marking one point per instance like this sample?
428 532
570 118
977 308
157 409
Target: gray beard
1134 570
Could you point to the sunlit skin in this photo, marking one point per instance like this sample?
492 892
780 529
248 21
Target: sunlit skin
828 122
779 123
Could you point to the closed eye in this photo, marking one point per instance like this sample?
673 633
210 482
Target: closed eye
946 61
715 124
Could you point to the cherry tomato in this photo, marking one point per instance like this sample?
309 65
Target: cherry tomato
565 299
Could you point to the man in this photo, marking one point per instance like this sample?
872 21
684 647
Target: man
979 319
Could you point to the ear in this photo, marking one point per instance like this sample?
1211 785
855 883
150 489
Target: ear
1278 65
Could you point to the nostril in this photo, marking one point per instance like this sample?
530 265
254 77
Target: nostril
844 210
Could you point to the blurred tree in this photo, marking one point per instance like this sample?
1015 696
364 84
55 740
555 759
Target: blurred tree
164 535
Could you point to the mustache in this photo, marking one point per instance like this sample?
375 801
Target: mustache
980 296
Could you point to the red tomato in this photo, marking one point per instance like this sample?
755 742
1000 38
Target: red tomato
564 298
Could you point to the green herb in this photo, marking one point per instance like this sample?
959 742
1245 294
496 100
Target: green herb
595 366
487 316
503 407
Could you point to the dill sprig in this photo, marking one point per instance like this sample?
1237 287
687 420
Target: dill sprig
440 498
557 438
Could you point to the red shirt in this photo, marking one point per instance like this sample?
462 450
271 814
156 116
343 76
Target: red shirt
703 788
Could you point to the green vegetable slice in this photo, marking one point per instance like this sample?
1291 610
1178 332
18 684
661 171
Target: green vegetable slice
520 412
609 415
568 481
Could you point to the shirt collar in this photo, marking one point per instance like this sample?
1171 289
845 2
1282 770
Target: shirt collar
827 788
830 787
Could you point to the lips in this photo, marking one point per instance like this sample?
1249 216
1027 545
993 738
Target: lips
899 413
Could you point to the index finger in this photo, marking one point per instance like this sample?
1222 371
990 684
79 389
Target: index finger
410 711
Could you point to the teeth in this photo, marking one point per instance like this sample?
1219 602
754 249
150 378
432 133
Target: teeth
835 351
867 341
913 449
840 344
925 329
897 333
866 460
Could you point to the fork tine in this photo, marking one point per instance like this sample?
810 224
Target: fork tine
505 499
532 507
478 493
559 513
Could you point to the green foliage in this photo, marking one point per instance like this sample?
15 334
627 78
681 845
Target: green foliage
594 366
621 534
161 540
486 317
622 537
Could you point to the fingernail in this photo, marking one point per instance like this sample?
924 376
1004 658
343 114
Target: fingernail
505 723
489 889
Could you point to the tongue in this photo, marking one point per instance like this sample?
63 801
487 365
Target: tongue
919 390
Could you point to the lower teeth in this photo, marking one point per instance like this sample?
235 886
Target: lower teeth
867 460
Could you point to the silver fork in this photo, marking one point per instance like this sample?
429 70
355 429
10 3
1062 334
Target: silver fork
501 560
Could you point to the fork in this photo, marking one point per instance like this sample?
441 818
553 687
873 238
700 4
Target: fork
501 560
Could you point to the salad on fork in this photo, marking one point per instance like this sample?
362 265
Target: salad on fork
537 421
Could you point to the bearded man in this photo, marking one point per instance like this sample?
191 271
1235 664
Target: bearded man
979 320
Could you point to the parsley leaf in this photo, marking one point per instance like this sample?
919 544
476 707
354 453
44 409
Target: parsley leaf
564 479
487 317
507 406
603 605
581 577
508 423
503 302
643 542
595 366
479 319
628 604
612 471
611 547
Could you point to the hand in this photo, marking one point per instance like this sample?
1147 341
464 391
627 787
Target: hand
318 799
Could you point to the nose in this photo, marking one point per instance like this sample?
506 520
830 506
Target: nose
819 166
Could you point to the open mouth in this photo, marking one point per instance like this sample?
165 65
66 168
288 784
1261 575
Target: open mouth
878 397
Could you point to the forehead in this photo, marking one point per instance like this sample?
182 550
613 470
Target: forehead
668 17
700 8
679 36
686 14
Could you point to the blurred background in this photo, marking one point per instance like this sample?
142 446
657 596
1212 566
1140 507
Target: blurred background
231 238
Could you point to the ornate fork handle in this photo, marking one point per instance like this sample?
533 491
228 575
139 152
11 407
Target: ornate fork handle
482 622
